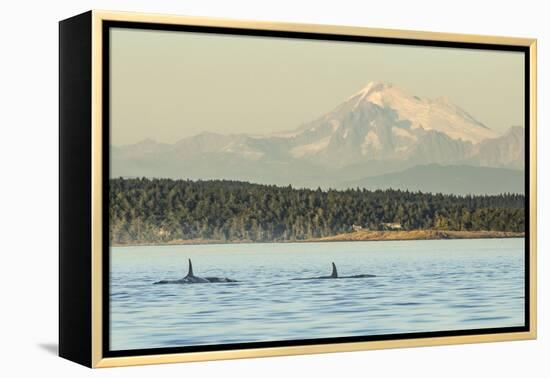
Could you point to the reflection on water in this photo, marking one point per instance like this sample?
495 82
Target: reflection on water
421 286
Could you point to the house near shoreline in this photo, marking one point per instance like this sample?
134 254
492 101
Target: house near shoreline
355 227
163 233
392 226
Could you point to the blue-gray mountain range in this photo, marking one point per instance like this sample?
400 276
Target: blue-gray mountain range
378 138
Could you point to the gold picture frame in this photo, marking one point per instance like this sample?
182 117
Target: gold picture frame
82 42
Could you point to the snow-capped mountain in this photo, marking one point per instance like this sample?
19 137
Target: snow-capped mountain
383 122
378 130
439 114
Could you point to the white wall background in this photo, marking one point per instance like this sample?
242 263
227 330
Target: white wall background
28 211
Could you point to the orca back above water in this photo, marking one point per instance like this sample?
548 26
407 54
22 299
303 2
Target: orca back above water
190 278
334 275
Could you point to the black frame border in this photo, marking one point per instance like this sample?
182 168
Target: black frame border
107 25
75 194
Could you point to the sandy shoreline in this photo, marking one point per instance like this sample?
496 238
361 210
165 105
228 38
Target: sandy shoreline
357 236
421 235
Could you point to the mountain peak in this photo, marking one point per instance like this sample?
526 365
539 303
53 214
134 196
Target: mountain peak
371 88
421 113
376 86
381 93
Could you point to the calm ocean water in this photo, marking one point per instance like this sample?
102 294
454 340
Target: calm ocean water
421 286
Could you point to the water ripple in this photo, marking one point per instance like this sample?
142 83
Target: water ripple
420 286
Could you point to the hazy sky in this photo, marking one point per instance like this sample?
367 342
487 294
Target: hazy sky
170 85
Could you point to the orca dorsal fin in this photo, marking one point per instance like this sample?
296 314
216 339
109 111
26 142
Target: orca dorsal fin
334 271
190 272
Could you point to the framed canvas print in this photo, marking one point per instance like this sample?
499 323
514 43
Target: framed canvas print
234 189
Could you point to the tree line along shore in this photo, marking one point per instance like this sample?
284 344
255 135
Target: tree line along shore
164 211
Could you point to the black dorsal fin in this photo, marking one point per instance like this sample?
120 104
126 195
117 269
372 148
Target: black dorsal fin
190 273
334 271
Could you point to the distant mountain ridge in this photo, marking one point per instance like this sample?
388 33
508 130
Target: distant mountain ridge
379 130
453 179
